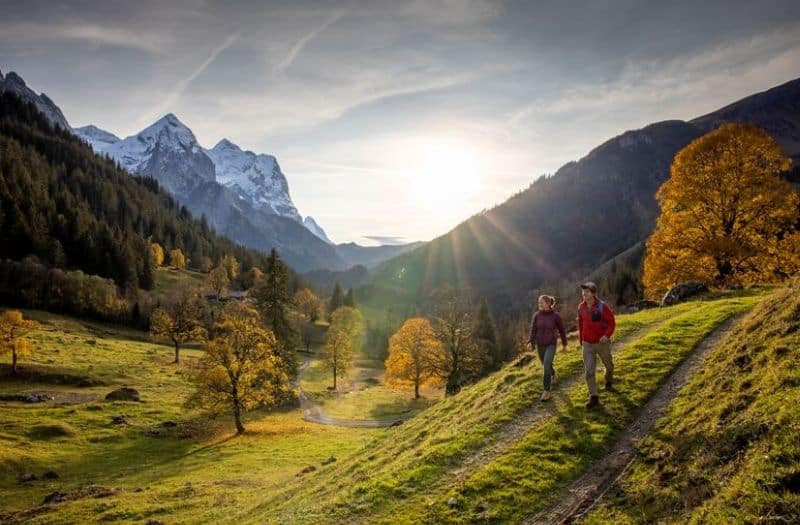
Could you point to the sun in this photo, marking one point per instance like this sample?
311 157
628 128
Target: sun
446 177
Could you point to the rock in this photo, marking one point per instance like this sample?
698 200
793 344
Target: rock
452 502
681 292
310 468
329 460
124 394
155 522
27 398
119 420
524 359
50 474
26 477
55 497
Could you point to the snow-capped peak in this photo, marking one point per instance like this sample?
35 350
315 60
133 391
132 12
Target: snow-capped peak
92 134
312 226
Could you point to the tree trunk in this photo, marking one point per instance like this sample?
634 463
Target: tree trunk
416 389
237 417
177 349
13 362
334 377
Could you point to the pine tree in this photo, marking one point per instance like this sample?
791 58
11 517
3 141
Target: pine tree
349 299
336 300
486 338
274 298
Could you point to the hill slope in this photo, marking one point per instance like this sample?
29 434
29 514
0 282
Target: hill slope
460 447
566 225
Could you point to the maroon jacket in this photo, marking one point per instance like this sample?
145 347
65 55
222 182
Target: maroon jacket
544 325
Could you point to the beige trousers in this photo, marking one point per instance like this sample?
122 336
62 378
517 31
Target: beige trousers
591 351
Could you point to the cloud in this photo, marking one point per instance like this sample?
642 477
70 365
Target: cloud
297 48
169 102
152 43
386 239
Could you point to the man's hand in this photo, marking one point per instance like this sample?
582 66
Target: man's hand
604 339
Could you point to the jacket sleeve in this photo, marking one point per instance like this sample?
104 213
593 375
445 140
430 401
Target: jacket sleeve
611 322
579 319
560 326
532 335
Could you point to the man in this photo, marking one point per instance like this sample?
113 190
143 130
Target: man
595 327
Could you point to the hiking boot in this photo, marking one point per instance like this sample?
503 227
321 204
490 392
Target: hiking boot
545 395
609 385
593 402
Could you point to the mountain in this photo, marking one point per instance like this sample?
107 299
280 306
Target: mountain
243 195
562 227
316 229
13 83
371 256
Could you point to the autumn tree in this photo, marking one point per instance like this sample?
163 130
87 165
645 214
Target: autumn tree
231 266
726 216
414 355
13 329
179 321
158 254
308 304
206 264
242 367
251 277
463 359
177 259
342 340
274 298
217 281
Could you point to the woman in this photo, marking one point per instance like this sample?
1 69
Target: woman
544 325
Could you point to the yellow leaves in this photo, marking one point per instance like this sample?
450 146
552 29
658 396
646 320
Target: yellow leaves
158 254
416 356
177 259
307 304
218 280
13 328
723 211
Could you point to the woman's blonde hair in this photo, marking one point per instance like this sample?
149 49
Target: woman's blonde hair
549 299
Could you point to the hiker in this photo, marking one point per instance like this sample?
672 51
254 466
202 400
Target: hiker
595 327
544 325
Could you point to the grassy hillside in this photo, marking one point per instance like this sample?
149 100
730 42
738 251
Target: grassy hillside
728 450
409 473
164 462
170 281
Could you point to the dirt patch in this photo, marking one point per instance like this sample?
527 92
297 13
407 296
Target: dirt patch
590 488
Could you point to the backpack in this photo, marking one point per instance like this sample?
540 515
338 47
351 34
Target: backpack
600 308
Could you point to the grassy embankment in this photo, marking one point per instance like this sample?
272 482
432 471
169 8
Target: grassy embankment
405 476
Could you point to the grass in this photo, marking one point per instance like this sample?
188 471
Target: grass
171 463
406 463
728 449
170 281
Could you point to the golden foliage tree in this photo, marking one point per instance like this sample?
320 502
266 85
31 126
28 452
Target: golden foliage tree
158 254
415 355
177 259
342 340
179 321
463 358
251 277
217 281
242 367
13 329
231 266
726 216
308 304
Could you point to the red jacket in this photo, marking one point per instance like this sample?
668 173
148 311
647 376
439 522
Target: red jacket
591 331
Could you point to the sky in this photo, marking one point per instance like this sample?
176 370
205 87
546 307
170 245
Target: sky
394 121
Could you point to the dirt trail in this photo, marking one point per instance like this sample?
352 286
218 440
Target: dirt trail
588 490
314 412
516 429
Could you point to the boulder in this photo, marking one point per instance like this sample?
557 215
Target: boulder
681 292
50 474
55 497
26 477
124 394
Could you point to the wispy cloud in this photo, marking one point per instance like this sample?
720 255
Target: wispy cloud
180 88
386 239
101 35
297 48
